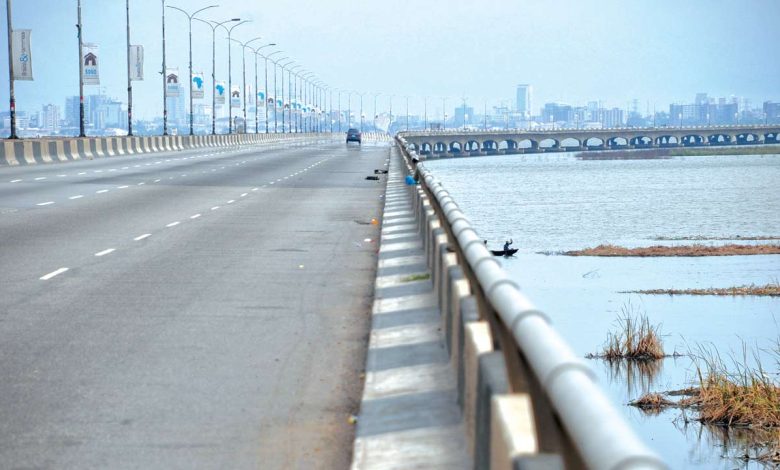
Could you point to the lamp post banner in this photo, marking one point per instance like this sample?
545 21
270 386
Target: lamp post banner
219 91
172 82
235 97
136 63
260 99
22 55
91 70
197 85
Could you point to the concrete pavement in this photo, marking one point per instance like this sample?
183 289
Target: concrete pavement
214 316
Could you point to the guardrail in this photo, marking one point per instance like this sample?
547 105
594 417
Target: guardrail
50 150
525 396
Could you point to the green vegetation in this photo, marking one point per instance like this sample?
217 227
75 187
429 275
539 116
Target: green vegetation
416 277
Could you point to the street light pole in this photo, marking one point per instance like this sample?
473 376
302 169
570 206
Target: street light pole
265 59
81 74
129 82
230 74
282 66
375 115
265 91
11 71
189 18
243 71
164 75
214 25
407 113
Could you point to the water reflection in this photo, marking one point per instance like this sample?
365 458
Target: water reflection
639 377
749 448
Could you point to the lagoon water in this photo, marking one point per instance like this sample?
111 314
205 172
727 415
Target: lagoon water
549 203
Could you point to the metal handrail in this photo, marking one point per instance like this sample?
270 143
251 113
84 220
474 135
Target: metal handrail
600 437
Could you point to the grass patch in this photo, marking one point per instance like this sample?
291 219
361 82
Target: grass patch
772 290
416 277
690 250
635 339
652 402
703 238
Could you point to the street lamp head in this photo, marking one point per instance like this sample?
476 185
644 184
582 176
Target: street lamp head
235 19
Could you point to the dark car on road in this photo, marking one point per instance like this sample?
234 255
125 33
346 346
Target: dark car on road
353 135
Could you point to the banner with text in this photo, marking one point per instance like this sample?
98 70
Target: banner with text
172 82
219 91
197 85
22 55
90 60
235 97
136 63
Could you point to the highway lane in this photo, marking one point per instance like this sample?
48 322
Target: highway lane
215 318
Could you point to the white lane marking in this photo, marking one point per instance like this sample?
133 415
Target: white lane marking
79 196
40 178
156 181
136 166
112 169
141 237
231 201
173 224
271 182
45 203
141 183
61 176
105 252
244 194
215 208
122 187
15 181
83 173
255 189
98 171
53 273
125 167
101 191
194 216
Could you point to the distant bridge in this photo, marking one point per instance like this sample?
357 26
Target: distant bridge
460 142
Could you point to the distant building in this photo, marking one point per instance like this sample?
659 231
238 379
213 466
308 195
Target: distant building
771 112
463 114
72 111
49 119
614 117
176 113
524 100
557 112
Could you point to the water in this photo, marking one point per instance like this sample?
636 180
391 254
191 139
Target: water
551 203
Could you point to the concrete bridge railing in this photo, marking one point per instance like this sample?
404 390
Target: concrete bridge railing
50 150
526 398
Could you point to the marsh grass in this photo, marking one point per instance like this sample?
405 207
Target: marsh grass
694 250
634 339
770 290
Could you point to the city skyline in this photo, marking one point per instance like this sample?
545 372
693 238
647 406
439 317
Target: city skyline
562 62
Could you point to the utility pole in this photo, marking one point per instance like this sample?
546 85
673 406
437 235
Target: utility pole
164 75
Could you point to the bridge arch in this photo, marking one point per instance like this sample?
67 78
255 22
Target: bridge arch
508 146
667 141
748 138
439 147
455 147
571 143
425 148
549 143
692 140
641 141
617 142
471 146
719 139
528 144
594 143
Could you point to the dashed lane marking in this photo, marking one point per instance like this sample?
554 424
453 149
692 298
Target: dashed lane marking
47 203
105 252
215 208
53 273
101 191
141 237
173 224
16 181
122 187
194 216
78 196
40 178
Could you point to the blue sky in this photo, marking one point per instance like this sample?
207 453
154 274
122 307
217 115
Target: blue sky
657 51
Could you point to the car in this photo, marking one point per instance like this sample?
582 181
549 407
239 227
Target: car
353 135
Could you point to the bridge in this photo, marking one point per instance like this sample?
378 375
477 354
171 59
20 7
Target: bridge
459 142
205 303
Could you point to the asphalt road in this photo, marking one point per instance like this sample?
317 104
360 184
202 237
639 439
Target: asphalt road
198 309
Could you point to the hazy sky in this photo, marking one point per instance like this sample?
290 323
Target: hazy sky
657 51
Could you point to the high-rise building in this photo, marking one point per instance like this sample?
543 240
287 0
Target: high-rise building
524 100
50 119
